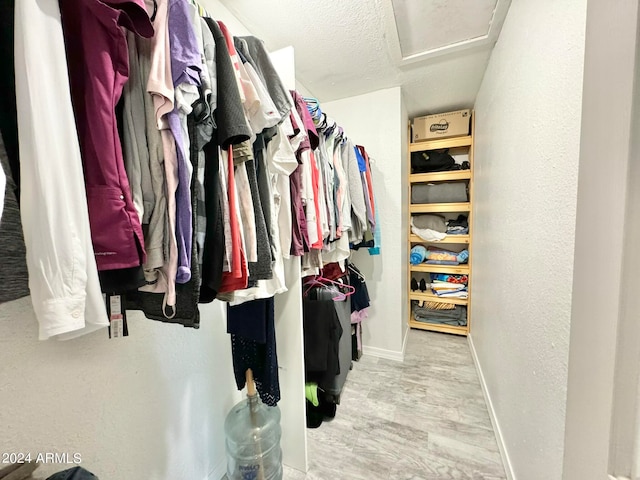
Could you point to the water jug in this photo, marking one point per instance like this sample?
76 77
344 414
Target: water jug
253 439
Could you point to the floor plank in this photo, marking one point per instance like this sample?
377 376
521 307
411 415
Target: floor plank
423 419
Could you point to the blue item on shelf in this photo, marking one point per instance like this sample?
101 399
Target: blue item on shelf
418 254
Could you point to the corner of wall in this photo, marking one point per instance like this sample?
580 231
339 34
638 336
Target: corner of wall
502 447
375 120
219 472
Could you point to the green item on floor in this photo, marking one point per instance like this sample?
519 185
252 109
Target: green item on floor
311 392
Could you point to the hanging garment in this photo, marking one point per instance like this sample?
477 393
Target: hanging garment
186 64
262 269
281 162
322 332
97 59
154 216
369 185
270 206
8 116
231 128
237 278
185 310
136 151
230 120
300 238
13 266
254 51
63 277
253 345
214 242
356 193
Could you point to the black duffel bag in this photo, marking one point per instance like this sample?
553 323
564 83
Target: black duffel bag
432 161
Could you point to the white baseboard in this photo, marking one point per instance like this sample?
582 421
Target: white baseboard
219 472
384 353
404 341
492 414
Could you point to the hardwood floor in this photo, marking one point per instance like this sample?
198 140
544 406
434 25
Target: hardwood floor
424 419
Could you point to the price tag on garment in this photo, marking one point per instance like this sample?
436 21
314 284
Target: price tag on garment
117 317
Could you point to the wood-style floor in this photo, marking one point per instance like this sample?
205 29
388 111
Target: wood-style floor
424 419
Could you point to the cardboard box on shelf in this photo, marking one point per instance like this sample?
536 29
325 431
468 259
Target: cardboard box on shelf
441 125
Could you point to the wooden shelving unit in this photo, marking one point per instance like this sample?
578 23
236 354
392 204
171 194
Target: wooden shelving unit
457 145
440 207
463 239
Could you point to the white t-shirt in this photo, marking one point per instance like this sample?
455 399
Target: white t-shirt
63 277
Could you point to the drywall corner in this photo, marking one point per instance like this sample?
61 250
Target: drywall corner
375 121
502 447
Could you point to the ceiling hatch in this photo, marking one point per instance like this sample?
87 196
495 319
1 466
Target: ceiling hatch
425 27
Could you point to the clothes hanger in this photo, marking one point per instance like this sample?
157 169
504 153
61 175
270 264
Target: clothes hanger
201 10
356 272
155 11
319 280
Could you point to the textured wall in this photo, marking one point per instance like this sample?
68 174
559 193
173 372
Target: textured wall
527 151
374 120
150 406
605 333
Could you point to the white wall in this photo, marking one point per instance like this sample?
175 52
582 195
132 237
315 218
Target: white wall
148 406
375 121
289 332
526 165
404 122
600 310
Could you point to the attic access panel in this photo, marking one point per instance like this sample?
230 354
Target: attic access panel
425 26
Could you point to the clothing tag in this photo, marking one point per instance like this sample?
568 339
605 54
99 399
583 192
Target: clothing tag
117 330
117 317
115 305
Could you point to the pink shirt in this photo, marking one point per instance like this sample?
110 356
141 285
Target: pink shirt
98 63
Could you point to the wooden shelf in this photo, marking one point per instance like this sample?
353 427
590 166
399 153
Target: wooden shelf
440 176
441 143
448 239
459 145
439 207
435 327
430 297
428 267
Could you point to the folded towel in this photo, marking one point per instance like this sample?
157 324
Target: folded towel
418 254
441 256
427 234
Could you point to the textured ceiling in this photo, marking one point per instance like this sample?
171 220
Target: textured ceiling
346 48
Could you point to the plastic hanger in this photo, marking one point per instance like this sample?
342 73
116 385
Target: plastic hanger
325 282
356 272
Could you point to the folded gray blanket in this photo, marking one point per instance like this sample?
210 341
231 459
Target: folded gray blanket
430 221
448 192
456 316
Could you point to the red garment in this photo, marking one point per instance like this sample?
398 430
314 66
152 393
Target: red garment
238 277
98 63
369 179
315 180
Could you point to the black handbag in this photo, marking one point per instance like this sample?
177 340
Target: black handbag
432 161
